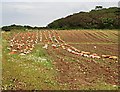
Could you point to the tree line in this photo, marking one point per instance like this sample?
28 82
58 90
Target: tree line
99 18
20 27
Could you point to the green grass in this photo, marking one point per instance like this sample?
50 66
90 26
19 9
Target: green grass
0 59
28 73
31 72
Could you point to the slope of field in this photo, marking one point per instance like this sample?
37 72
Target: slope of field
52 60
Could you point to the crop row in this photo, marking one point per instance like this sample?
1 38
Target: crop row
24 43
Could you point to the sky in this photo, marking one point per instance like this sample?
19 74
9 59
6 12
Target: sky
40 13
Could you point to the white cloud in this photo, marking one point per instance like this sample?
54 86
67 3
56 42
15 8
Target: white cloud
42 13
60 0
0 14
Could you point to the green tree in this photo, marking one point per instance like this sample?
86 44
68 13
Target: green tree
98 7
107 23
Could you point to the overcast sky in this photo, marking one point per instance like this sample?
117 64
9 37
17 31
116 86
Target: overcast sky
42 13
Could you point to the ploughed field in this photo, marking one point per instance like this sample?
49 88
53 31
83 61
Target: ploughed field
60 60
